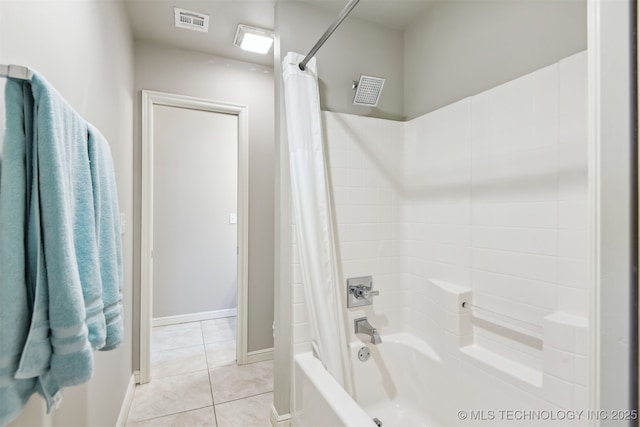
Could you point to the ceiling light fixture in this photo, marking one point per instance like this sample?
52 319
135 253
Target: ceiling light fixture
253 39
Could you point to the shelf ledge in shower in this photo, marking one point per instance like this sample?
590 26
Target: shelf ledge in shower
507 366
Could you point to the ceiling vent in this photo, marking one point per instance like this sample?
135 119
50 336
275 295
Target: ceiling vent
191 20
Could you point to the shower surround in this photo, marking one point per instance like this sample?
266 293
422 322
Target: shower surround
472 220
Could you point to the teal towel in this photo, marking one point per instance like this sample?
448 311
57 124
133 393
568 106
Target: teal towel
107 219
60 249
15 300
67 307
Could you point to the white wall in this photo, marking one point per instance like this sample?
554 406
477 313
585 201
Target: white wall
195 190
188 73
85 50
461 48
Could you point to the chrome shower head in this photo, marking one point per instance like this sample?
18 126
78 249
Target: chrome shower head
368 90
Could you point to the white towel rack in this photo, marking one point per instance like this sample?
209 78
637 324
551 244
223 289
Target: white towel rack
16 72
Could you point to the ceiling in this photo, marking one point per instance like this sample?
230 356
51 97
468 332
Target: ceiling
153 20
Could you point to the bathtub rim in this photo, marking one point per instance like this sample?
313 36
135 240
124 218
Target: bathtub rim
345 407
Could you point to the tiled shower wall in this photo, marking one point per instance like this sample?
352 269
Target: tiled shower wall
496 201
363 157
489 194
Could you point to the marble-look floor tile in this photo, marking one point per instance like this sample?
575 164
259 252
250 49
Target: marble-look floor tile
176 336
250 412
221 353
171 395
204 417
216 330
178 361
235 382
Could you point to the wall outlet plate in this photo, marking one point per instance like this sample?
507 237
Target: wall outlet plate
353 300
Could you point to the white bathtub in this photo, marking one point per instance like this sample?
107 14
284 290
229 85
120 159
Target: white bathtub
402 384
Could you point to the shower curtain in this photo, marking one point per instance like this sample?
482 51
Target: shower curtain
313 218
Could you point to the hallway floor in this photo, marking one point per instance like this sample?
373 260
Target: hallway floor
195 381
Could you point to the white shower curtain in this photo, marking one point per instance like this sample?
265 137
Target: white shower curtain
313 217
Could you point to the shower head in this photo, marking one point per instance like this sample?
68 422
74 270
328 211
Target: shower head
368 90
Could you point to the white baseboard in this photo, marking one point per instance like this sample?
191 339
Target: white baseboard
260 355
279 420
193 317
126 403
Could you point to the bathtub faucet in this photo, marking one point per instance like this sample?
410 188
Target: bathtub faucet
363 326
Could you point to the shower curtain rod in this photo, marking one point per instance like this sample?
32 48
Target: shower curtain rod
327 34
16 72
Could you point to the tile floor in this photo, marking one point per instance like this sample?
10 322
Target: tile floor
196 382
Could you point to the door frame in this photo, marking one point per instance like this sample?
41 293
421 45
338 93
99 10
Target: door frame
149 100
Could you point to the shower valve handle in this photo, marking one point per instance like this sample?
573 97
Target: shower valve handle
360 291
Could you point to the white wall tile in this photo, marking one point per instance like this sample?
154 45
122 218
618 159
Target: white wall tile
558 392
573 84
353 177
348 214
459 256
498 343
530 292
572 301
301 333
572 273
300 313
529 240
507 117
353 156
573 215
527 266
518 311
524 214
520 176
572 174
558 363
573 244
581 370
377 214
545 108
581 401
559 334
338 177
365 249
572 130
446 213
582 341
451 234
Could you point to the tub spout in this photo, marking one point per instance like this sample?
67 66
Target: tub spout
362 326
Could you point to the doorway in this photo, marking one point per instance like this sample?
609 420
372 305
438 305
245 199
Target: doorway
194 216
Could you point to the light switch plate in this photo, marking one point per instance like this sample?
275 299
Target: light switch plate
233 218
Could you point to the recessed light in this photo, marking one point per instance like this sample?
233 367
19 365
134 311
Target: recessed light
253 39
